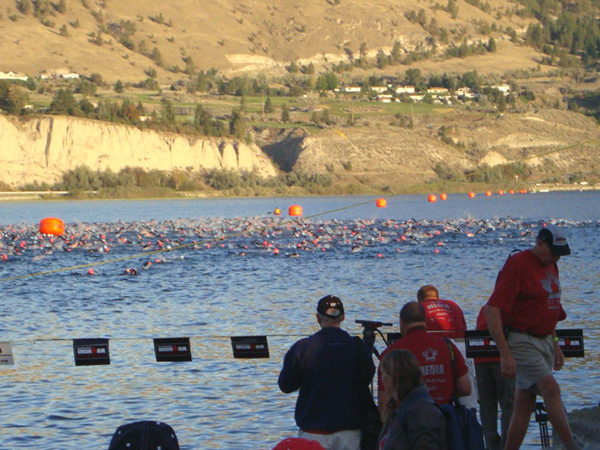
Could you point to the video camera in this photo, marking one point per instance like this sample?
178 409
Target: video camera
369 328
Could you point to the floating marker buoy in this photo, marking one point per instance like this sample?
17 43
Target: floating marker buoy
443 196
488 193
295 210
432 198
500 192
277 212
381 203
52 225
511 192
471 194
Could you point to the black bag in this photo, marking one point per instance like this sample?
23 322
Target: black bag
371 426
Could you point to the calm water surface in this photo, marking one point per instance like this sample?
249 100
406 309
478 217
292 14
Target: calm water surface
232 282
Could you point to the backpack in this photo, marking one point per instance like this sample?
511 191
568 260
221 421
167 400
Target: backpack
462 428
463 431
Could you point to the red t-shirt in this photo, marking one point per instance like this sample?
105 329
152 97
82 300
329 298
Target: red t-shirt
434 358
444 315
528 294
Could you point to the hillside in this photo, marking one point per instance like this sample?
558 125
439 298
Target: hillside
117 39
386 158
185 86
550 144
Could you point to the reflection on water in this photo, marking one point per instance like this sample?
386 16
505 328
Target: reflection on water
239 286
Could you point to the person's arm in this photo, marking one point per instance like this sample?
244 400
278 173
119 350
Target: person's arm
289 378
494 323
559 358
463 386
462 382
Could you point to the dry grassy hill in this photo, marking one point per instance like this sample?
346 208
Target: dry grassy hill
116 38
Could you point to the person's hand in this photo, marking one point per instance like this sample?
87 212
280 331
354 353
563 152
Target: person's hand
508 366
559 358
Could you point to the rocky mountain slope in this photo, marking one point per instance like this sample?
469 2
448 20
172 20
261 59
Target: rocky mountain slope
550 142
41 149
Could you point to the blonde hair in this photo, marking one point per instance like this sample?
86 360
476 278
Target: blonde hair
406 375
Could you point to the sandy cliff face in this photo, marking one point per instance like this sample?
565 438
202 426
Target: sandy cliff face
42 149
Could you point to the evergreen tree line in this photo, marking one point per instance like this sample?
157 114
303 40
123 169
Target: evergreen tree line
564 28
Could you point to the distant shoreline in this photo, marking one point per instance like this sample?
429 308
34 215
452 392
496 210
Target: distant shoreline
12 196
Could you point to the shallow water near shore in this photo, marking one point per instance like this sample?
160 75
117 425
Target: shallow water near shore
221 277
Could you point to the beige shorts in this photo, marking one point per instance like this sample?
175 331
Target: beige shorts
534 358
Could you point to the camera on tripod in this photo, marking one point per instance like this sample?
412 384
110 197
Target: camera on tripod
369 328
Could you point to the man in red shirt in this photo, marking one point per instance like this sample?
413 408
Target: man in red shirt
443 316
526 304
433 355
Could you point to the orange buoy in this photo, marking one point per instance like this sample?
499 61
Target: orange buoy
511 192
432 198
471 194
500 192
443 196
488 193
381 203
52 225
295 210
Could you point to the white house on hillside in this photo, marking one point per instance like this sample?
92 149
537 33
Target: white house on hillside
12 76
405 90
379 89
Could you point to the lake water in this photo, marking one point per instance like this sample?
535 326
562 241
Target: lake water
229 267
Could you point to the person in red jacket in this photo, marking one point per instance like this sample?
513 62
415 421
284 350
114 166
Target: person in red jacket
521 314
433 354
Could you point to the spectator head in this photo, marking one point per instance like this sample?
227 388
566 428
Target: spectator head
401 373
411 315
427 292
144 435
330 311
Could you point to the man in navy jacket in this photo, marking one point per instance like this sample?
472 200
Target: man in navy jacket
329 370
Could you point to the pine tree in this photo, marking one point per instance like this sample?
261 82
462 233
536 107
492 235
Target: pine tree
285 114
269 106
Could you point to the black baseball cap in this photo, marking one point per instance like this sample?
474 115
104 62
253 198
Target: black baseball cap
144 435
556 239
330 306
